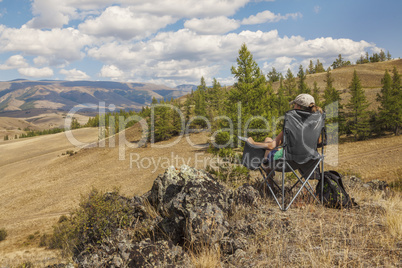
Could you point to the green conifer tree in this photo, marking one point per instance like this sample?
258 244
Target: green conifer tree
200 103
316 94
282 100
311 69
390 98
358 116
290 85
301 85
382 56
389 57
319 68
250 90
273 76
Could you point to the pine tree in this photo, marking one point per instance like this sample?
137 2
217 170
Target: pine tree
382 56
311 69
397 95
290 85
200 103
219 96
250 84
332 104
75 124
200 98
319 68
375 58
250 90
273 76
384 97
358 117
339 62
316 94
390 98
302 86
282 100
331 95
389 56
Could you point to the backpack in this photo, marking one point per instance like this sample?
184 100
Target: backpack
335 195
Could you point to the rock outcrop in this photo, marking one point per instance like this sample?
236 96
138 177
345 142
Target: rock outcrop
194 206
192 210
188 209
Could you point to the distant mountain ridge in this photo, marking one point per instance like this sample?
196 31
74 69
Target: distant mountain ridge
22 94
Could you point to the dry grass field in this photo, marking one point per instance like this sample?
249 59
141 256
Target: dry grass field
12 126
39 183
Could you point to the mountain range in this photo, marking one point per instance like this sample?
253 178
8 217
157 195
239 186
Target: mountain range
21 94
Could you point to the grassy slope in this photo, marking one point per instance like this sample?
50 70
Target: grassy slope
370 75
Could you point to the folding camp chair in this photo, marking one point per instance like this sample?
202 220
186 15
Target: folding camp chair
301 132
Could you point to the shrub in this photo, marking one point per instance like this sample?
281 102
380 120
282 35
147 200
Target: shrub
232 174
95 219
44 240
3 234
26 264
70 152
222 138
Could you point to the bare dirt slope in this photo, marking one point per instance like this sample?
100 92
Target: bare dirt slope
38 184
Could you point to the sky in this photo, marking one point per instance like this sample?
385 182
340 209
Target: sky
174 42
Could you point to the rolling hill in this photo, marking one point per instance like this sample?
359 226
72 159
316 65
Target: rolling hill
370 75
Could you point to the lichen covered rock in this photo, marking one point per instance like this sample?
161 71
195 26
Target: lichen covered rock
193 204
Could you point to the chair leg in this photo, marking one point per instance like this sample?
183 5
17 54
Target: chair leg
268 177
303 185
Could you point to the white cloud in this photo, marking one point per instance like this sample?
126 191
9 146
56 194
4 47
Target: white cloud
123 35
51 14
111 71
62 44
281 64
217 25
317 9
14 62
74 74
124 23
41 61
185 55
268 16
36 72
191 8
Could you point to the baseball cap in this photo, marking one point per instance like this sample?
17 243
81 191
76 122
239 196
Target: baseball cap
303 100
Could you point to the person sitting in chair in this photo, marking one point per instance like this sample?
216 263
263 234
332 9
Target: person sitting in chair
304 102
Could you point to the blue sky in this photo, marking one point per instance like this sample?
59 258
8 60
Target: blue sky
175 42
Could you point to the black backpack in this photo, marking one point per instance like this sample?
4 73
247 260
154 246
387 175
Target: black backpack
335 195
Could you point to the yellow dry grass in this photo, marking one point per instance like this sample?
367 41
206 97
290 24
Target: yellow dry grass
373 159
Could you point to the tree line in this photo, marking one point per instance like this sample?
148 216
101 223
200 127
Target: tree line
216 107
258 99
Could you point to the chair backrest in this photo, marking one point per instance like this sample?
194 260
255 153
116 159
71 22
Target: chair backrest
301 131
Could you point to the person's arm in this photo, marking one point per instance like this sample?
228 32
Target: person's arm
279 139
268 144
